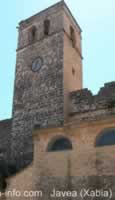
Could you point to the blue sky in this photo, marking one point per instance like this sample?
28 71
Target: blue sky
97 20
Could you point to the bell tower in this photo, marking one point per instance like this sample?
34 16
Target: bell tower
48 68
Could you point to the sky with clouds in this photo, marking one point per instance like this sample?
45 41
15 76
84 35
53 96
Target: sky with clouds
97 20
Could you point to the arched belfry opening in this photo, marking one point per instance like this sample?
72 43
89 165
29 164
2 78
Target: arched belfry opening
106 138
46 27
72 36
59 144
32 34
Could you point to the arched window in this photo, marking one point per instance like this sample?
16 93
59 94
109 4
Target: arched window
60 144
32 34
46 27
72 37
106 138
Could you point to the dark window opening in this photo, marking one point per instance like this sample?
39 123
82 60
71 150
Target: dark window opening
73 71
106 139
3 184
46 27
72 36
61 144
32 34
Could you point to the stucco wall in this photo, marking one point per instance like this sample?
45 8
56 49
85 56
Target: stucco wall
85 165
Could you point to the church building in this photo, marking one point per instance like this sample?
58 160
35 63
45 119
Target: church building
61 137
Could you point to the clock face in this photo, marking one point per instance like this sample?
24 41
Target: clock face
37 64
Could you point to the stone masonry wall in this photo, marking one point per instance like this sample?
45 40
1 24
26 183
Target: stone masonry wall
5 142
38 97
53 13
87 106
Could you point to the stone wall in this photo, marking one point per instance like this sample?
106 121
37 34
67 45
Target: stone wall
38 97
53 13
89 106
5 146
5 131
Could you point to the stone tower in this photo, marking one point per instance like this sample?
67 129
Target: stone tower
48 68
